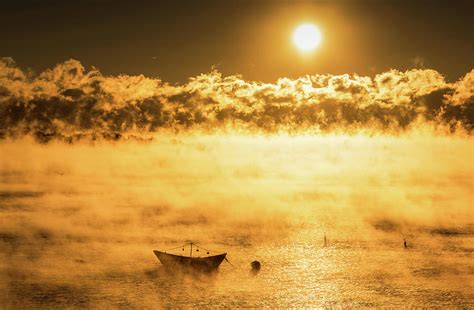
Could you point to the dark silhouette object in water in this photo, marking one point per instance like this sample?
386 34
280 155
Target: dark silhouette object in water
255 267
325 240
405 243
206 263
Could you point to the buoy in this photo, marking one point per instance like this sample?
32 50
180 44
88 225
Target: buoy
255 265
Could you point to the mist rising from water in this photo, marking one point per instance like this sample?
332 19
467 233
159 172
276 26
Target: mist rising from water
78 219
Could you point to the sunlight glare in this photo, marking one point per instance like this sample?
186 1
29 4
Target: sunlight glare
307 37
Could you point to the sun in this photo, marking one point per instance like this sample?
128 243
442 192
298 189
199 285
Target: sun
307 37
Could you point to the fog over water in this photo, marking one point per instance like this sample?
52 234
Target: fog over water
78 222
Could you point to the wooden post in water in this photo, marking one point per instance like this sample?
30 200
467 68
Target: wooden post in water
191 251
325 241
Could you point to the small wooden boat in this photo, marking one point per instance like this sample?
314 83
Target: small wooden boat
207 262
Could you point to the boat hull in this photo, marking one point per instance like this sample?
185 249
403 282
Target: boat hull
200 263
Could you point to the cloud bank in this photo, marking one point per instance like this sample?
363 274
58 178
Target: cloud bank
70 103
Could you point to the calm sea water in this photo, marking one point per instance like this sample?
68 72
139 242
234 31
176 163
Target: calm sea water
57 271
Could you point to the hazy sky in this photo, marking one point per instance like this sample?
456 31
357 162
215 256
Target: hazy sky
178 39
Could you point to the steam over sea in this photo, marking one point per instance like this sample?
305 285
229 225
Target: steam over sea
78 222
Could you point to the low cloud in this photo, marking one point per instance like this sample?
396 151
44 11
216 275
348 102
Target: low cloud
71 103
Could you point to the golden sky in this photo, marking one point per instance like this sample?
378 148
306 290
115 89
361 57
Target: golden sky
175 40
100 68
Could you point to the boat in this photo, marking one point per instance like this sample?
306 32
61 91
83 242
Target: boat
208 262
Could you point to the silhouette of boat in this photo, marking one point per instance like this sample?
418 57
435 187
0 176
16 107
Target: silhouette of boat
207 263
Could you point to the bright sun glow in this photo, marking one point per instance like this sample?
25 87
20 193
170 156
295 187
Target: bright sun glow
307 37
